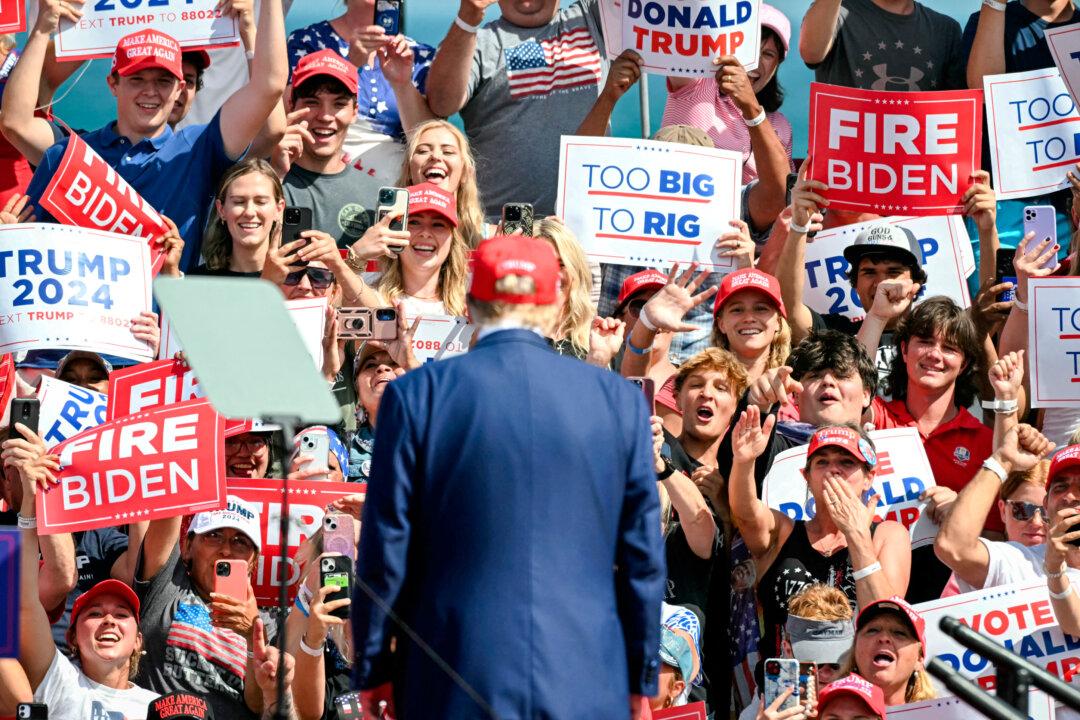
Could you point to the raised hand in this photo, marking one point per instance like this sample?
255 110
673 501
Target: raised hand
666 309
749 438
773 387
732 80
605 340
291 146
396 60
171 244
987 312
893 297
980 202
1022 448
806 197
737 244
1007 375
16 210
401 348
625 71
850 514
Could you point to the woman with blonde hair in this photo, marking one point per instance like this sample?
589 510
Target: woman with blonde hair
571 335
889 651
248 206
439 153
749 320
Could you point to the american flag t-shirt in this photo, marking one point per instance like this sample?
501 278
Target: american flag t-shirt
568 60
191 629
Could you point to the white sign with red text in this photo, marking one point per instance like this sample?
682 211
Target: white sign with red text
947 260
66 410
903 473
1030 121
70 287
438 337
157 464
192 23
1054 341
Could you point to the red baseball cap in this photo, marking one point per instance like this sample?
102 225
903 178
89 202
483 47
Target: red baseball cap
200 58
857 687
1067 457
749 279
147 49
429 197
329 63
106 587
639 282
844 438
530 261
896 605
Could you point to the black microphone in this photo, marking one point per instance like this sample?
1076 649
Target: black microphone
998 655
972 694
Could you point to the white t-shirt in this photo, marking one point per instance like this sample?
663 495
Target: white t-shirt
1012 562
71 695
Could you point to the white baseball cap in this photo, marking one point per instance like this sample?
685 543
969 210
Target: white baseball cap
237 514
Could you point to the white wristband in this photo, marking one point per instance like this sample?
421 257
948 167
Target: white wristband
994 5
1001 407
26 523
249 54
866 571
1021 306
1059 573
643 318
795 227
471 29
313 652
1061 595
995 467
756 120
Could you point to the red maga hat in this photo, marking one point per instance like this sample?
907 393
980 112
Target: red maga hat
896 605
844 438
857 687
147 49
639 282
1068 457
429 197
515 269
106 587
749 279
329 63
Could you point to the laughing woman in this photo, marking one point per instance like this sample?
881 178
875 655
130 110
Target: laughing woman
248 208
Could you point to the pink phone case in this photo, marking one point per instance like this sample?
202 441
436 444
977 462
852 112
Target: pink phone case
235 584
339 534
1041 220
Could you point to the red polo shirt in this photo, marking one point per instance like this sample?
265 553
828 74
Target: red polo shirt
956 449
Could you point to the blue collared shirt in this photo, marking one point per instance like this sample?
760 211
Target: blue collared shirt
176 172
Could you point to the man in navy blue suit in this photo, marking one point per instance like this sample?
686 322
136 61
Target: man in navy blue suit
512 522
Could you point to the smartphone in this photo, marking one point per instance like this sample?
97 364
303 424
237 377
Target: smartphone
25 411
517 216
808 686
358 323
337 571
32 711
1041 220
781 674
394 201
339 534
1005 273
231 578
388 16
296 220
316 445
648 386
792 178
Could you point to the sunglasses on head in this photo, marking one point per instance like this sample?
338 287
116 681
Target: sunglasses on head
320 278
1025 511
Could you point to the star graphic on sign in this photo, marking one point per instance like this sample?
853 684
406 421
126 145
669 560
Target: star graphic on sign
930 64
866 55
881 46
917 50
858 73
899 44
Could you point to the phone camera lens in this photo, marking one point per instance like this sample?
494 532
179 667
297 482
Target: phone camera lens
223 569
292 216
385 314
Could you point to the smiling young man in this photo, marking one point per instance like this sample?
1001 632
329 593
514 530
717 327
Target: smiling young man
322 106
147 80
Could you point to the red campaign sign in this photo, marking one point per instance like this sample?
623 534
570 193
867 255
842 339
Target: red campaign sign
693 711
894 153
307 504
12 16
157 464
87 192
7 382
151 385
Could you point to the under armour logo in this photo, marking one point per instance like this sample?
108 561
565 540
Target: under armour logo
895 82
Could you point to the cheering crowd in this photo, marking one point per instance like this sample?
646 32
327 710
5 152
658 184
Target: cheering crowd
130 621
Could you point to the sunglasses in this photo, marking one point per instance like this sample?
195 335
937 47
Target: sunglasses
1025 511
320 278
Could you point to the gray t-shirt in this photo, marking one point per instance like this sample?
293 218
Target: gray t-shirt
875 49
186 653
527 88
343 205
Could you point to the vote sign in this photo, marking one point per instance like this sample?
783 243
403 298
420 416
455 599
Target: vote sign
157 464
67 287
903 473
681 37
12 17
86 191
643 202
151 385
66 410
10 555
1054 341
1040 707
307 505
948 261
1030 119
1018 616
192 23
909 153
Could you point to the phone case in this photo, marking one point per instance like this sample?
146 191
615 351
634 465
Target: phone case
339 534
25 411
337 571
388 16
1005 273
520 218
235 584
393 201
316 445
648 386
808 684
781 674
1041 220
